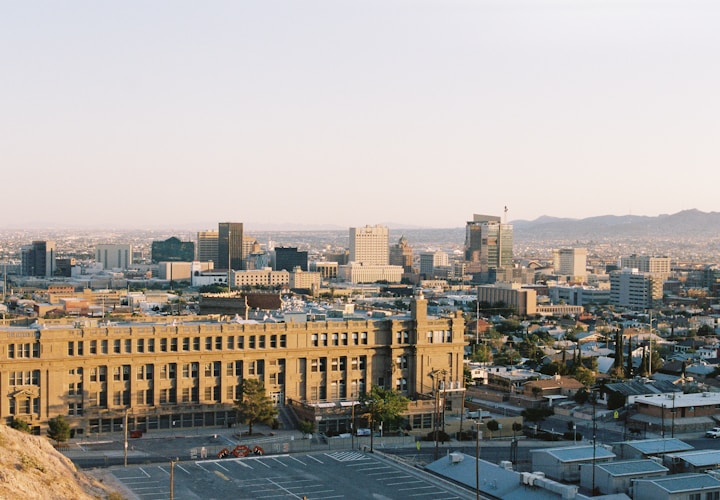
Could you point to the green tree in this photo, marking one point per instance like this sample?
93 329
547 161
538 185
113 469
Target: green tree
585 376
306 426
20 425
492 426
58 429
516 427
536 415
255 406
383 405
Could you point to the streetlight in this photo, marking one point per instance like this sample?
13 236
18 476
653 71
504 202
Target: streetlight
436 412
477 460
125 432
352 425
172 478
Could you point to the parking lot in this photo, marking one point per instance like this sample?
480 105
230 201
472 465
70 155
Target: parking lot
317 475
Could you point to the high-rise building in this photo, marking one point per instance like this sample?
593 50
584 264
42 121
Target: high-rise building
401 254
288 258
571 262
207 246
172 250
431 260
38 259
230 245
634 289
657 266
488 242
369 245
114 256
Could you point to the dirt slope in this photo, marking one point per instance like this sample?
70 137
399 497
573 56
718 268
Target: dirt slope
30 468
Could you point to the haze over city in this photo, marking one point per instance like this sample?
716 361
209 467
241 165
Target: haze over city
135 114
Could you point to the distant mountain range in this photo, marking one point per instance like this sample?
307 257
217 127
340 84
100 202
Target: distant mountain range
685 224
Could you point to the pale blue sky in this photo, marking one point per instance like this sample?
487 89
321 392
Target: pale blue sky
162 113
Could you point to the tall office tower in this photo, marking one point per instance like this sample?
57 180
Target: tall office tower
288 258
114 256
230 245
657 266
571 262
172 250
369 245
401 254
488 242
430 260
38 259
634 289
207 246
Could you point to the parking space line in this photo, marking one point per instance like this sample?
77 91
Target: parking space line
263 463
143 471
319 461
183 469
203 468
166 472
284 489
278 461
293 458
406 482
223 468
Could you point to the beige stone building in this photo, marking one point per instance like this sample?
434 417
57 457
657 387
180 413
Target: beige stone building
189 374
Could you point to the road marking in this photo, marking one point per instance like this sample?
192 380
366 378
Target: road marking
166 472
278 461
317 460
203 468
347 456
223 468
220 474
183 469
143 471
293 458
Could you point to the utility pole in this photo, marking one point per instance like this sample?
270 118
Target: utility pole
172 478
125 432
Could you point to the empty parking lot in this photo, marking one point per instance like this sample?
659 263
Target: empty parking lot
320 475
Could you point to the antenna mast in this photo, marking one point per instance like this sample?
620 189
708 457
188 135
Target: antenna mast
506 211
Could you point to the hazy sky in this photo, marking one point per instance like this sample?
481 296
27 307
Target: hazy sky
419 112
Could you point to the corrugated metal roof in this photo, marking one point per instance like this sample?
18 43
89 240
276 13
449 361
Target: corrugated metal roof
577 453
677 483
631 467
660 445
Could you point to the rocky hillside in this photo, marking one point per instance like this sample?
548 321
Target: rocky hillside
30 468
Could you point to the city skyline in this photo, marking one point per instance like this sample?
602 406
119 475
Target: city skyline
135 115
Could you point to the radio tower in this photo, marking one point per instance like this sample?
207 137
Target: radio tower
506 214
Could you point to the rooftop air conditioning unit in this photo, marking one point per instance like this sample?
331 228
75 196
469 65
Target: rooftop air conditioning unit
456 458
506 464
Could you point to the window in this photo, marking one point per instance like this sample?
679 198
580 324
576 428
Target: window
71 348
334 363
186 370
80 347
251 342
241 342
323 365
231 342
116 374
11 351
364 338
186 344
344 338
313 365
196 343
163 345
314 340
174 344
261 343
355 338
208 343
36 350
283 340
140 345
208 369
104 347
185 395
335 339
102 373
218 343
343 363
116 346
323 339
128 346
151 345
273 341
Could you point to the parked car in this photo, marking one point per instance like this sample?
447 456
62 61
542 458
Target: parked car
713 433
